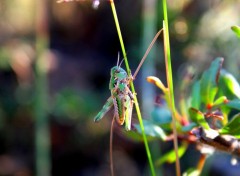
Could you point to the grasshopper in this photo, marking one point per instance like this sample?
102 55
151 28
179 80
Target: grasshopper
121 97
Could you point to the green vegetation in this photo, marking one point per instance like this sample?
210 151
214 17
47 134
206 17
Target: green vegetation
51 90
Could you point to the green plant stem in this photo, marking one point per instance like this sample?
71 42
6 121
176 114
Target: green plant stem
42 139
170 83
132 88
120 36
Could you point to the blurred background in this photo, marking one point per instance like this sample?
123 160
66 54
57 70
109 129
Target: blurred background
55 60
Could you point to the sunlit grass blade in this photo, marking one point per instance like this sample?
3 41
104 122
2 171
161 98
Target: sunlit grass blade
133 89
170 83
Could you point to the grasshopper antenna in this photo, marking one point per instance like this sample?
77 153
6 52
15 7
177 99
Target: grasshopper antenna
121 62
118 59
147 52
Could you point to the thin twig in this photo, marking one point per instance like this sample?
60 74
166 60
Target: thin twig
147 52
111 147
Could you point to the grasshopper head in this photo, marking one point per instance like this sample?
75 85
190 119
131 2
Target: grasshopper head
118 73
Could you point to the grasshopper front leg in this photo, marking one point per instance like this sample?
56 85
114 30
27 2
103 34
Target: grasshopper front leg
106 107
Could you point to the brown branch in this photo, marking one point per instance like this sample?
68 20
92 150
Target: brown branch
225 143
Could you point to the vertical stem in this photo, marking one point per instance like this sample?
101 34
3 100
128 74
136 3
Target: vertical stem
111 147
201 162
120 36
42 141
133 89
170 83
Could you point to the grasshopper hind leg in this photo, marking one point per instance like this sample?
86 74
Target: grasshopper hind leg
106 107
128 113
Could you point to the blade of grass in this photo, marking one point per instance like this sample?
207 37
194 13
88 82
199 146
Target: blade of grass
132 88
167 54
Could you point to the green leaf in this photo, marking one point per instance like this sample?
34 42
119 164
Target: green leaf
235 104
233 127
196 98
198 117
161 115
229 85
191 172
236 30
209 80
189 127
170 157
134 136
225 111
151 129
220 101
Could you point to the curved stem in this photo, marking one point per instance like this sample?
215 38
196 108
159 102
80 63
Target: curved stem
111 147
147 52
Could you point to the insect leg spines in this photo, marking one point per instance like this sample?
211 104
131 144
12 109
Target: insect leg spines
106 107
130 94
